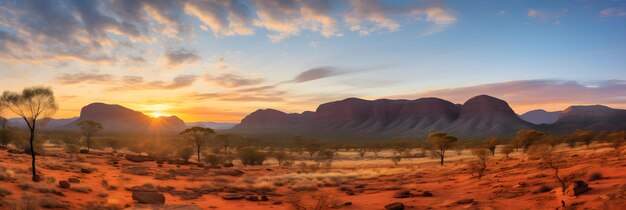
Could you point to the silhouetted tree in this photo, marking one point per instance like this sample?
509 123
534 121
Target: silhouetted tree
224 141
441 142
89 129
197 137
583 136
492 143
31 105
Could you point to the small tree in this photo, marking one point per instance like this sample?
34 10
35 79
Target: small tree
480 165
7 133
213 159
549 158
507 150
325 158
197 137
362 152
31 105
280 157
552 140
376 148
617 139
400 147
526 138
396 159
89 129
71 144
251 156
492 143
113 143
586 137
441 142
458 149
224 141
313 147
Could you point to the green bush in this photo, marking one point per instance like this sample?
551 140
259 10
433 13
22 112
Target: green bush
251 156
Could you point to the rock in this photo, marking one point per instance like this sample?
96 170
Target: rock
230 172
139 158
160 162
395 206
137 170
142 188
232 196
576 188
465 201
252 198
86 171
277 202
149 197
402 194
64 184
264 198
186 195
360 186
73 180
84 151
228 165
14 151
427 194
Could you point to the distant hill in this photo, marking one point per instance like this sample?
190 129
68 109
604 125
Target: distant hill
47 123
540 116
478 117
212 125
119 119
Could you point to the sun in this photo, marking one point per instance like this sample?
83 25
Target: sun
159 114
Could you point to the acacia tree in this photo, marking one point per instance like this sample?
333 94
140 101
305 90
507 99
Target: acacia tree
89 129
196 137
31 105
525 138
492 143
441 142
224 140
585 136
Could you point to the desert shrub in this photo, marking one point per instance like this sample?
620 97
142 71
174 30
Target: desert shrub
594 176
325 158
50 202
26 202
492 143
213 159
617 139
550 159
526 138
311 201
479 166
113 143
251 156
185 153
280 157
4 192
287 163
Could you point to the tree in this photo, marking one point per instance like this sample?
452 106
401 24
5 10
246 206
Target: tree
31 105
376 148
552 140
89 129
313 147
400 147
185 153
525 138
396 160
113 143
584 136
617 139
441 142
224 140
325 158
251 156
550 159
492 143
508 149
197 137
480 165
280 157
7 133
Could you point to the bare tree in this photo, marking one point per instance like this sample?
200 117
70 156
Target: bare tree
31 105
224 140
480 165
550 159
197 137
396 160
441 143
89 129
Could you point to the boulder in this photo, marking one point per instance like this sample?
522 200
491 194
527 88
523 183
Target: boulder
232 196
427 194
576 188
228 165
149 197
229 172
252 198
139 158
402 194
465 201
64 184
86 170
73 180
395 206
84 151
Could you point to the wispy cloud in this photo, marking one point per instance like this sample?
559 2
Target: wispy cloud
179 56
611 12
138 83
82 77
541 14
232 80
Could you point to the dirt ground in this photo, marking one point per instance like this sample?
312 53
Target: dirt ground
107 181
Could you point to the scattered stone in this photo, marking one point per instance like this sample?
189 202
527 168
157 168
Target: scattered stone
427 194
395 206
142 188
149 197
465 201
64 184
14 151
360 186
165 189
186 195
228 165
85 171
84 151
137 170
139 158
264 198
277 202
252 198
402 194
73 180
576 188
230 172
232 196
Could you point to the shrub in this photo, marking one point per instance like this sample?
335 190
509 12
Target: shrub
4 192
480 165
185 153
396 160
281 157
251 156
507 150
213 159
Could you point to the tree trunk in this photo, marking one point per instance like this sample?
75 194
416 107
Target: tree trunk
198 152
441 157
32 153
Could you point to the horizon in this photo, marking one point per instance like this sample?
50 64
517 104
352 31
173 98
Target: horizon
187 59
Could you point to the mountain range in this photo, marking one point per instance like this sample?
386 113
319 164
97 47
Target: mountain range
478 117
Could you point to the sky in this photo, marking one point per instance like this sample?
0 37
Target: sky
219 60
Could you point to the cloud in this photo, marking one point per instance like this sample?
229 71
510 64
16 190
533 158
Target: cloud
180 56
232 80
224 18
533 94
81 77
547 15
610 12
138 83
367 16
316 73
289 17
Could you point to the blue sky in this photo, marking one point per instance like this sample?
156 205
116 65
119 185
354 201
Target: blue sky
219 60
